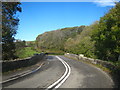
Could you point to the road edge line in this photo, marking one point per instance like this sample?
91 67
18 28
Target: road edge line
22 75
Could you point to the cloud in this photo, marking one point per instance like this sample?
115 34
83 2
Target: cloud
104 3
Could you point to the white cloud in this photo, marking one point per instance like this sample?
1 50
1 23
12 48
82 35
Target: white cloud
104 3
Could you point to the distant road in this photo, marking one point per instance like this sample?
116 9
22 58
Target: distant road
61 72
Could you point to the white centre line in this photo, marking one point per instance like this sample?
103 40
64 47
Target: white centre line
60 81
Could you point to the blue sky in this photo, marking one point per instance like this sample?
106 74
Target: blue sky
39 17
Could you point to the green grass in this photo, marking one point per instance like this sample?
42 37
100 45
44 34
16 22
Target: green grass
25 52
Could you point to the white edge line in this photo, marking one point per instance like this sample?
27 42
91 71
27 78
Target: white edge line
22 75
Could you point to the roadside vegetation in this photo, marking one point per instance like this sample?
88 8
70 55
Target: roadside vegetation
25 49
9 28
55 40
25 52
100 40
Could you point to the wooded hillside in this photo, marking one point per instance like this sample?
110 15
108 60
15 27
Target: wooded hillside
99 40
55 40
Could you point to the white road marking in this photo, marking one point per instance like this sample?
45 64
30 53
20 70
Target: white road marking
21 75
65 77
60 81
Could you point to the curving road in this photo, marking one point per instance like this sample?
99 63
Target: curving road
61 72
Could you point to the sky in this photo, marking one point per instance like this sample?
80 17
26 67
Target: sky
39 17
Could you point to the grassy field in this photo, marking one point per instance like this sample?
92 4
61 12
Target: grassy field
25 52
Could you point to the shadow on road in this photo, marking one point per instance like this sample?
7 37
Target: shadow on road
49 57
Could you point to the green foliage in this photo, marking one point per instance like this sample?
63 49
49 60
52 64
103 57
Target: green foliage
82 44
56 39
107 35
100 40
25 49
25 52
54 52
20 44
31 44
9 27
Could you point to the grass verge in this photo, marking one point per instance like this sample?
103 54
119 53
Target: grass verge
25 52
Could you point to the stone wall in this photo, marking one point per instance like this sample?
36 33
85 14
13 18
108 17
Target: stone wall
115 69
90 60
15 64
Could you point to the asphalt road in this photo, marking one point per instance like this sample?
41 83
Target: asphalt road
81 75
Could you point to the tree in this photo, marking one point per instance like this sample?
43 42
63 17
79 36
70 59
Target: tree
107 36
20 44
82 44
9 26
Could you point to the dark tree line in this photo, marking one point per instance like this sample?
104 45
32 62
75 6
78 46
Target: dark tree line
9 27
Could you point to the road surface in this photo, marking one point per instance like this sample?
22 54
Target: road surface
61 72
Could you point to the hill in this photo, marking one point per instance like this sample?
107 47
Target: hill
55 40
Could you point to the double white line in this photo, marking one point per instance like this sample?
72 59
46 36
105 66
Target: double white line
60 81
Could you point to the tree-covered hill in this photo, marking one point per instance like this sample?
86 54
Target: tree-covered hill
82 43
99 40
55 40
